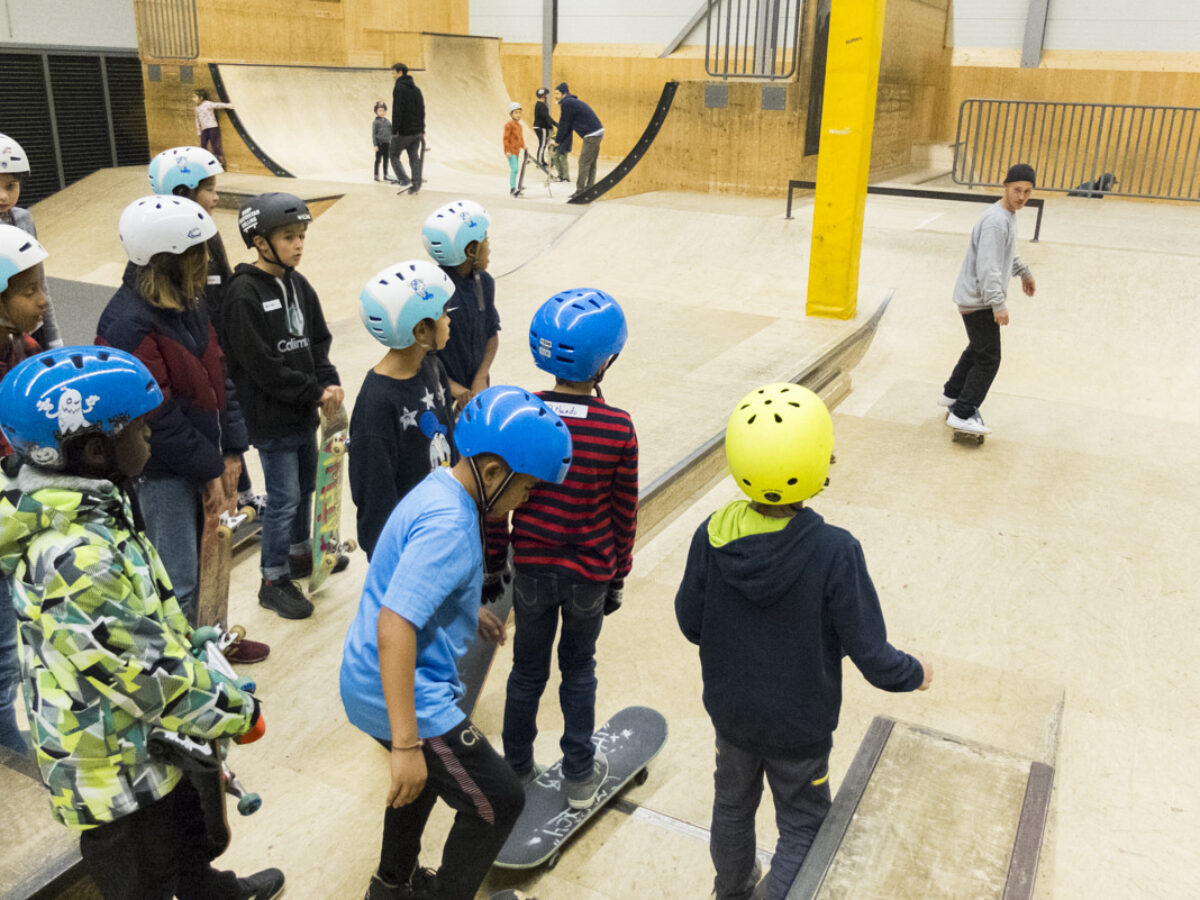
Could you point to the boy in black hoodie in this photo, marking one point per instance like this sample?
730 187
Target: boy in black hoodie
771 574
277 345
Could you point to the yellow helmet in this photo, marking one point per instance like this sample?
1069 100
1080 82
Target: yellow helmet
778 444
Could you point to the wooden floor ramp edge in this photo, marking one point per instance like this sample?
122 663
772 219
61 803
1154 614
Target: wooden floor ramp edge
1018 880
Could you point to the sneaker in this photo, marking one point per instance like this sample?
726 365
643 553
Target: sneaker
244 652
379 889
947 401
582 794
973 425
264 885
376 177
532 775
423 884
285 598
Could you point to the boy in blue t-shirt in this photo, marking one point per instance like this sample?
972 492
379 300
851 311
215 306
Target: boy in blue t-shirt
402 427
420 610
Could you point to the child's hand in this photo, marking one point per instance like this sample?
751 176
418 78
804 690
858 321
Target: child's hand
331 399
1029 286
213 496
491 628
927 669
229 478
408 776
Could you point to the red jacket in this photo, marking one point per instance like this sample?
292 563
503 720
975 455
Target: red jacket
21 348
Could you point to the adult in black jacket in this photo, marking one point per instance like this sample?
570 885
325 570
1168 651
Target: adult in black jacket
577 116
408 127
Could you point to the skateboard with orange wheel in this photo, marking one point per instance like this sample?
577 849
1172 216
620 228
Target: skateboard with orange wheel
327 499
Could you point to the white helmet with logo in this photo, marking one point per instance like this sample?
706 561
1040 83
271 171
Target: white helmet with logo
450 229
161 224
19 251
12 157
182 167
401 296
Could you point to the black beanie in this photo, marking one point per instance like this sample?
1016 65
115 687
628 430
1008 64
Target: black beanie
1021 172
562 88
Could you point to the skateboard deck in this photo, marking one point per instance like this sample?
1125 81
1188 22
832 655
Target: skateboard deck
327 499
968 437
216 559
630 740
476 663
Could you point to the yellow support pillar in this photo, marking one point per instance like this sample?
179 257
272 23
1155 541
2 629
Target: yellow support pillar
844 160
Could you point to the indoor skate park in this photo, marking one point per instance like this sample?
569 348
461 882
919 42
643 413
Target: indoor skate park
1047 574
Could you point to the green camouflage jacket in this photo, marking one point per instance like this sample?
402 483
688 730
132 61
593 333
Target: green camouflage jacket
104 648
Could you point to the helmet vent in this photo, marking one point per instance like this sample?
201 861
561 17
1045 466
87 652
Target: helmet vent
791 481
750 421
102 355
772 496
77 359
778 418
793 403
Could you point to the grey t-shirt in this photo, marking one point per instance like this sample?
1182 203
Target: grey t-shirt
991 260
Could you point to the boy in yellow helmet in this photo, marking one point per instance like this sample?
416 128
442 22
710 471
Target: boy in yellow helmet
768 572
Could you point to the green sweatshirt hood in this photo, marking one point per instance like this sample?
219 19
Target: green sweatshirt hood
36 500
738 519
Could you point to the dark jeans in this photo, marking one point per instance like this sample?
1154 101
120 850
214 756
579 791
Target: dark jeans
538 601
289 467
487 798
800 788
210 140
157 853
978 365
381 156
172 510
412 144
10 672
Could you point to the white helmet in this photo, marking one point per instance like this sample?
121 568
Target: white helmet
399 297
449 230
19 251
12 157
158 224
182 167
512 106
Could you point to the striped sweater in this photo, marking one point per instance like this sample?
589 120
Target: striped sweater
583 529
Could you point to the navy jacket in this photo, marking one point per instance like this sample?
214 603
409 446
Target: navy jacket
774 614
197 424
408 107
574 115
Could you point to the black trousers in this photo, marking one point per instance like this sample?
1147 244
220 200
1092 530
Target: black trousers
412 144
487 797
543 139
381 156
977 367
157 853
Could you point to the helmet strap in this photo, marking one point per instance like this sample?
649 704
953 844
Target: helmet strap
484 502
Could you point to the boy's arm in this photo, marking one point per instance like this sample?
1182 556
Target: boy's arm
858 620
397 641
689 599
243 329
374 464
139 663
485 366
625 505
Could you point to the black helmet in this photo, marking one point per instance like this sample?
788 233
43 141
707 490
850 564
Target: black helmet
266 213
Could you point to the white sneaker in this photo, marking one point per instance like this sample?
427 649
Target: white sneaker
973 425
946 401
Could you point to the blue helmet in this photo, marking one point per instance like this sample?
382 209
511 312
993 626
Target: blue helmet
519 428
576 332
71 392
449 230
182 167
399 297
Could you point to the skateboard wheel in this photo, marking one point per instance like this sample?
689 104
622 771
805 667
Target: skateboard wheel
248 512
350 545
338 449
640 777
238 632
328 562
247 684
249 804
224 532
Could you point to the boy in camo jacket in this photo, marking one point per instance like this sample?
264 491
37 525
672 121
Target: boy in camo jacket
104 649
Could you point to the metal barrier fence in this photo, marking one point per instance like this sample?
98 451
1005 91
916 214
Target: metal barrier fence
1089 149
167 29
753 38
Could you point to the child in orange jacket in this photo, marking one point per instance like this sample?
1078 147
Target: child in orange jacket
514 143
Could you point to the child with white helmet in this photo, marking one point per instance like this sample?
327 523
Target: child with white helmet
514 143
23 302
456 236
277 346
769 573
106 655
402 427
14 166
159 316
419 612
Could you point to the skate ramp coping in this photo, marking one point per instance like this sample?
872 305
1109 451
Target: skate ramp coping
924 814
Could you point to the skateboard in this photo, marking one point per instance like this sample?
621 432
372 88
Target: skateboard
968 437
218 538
630 740
204 762
476 663
327 499
525 161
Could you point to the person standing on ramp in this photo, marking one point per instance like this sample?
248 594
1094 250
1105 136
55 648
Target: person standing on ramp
408 128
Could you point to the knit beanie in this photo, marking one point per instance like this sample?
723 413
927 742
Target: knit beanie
562 88
1020 172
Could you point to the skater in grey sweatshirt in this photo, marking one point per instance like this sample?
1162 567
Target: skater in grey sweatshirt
981 293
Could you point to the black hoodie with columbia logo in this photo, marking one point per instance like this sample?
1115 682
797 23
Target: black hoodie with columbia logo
277 350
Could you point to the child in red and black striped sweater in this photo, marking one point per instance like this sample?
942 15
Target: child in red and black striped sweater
572 543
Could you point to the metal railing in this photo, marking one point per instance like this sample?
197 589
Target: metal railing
167 29
753 38
1089 149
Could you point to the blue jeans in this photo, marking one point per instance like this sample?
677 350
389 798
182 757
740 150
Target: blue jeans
171 510
800 788
289 467
537 603
10 671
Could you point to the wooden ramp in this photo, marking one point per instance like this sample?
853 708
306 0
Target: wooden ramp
922 814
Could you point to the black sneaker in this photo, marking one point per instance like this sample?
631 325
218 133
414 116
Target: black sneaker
379 889
285 598
424 884
264 885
